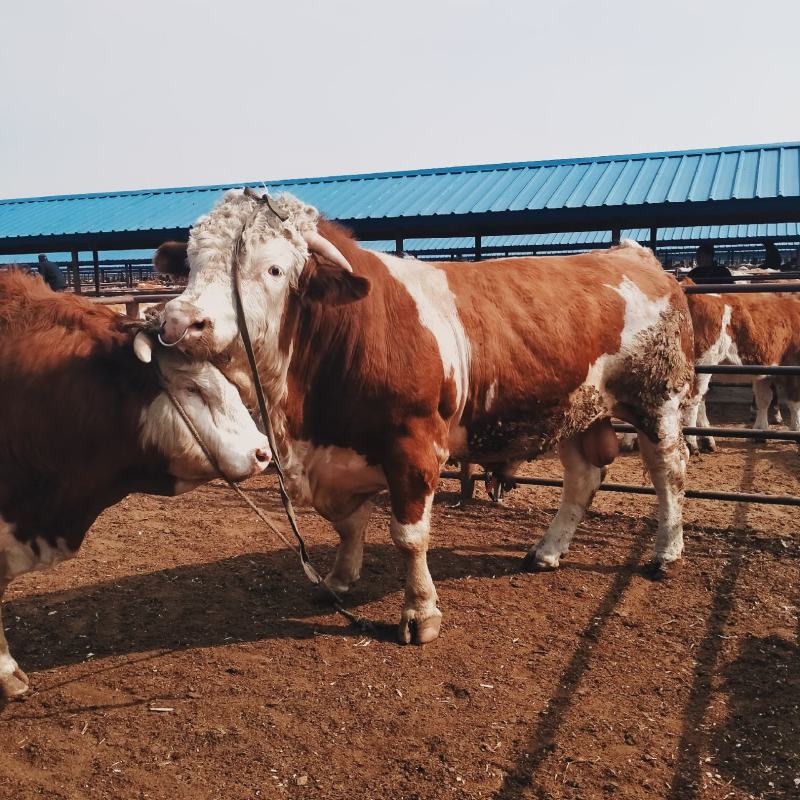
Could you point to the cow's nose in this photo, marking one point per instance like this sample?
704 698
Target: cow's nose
263 456
183 323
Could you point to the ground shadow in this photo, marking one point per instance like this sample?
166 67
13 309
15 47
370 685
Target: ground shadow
758 750
686 783
523 777
251 597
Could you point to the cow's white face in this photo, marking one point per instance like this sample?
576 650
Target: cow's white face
204 316
221 419
279 258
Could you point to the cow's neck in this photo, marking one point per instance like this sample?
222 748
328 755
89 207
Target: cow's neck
308 346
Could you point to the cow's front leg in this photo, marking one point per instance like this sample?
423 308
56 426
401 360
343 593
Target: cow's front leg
350 554
581 480
13 681
412 476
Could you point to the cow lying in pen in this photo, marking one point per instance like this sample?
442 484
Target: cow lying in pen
377 369
84 423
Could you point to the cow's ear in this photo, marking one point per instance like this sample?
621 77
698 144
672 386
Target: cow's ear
170 259
322 281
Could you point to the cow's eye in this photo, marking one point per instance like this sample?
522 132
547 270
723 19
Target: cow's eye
275 271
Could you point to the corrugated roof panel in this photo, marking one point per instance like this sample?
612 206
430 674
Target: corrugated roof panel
586 185
464 195
701 176
508 193
550 186
682 180
567 186
537 177
767 173
440 192
744 184
501 182
605 183
657 192
789 183
418 193
622 186
644 179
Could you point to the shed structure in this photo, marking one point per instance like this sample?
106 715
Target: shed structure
736 193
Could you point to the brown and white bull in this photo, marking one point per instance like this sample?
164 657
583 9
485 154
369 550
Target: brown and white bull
745 329
377 369
85 422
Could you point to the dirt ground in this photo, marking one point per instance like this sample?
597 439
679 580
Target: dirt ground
180 655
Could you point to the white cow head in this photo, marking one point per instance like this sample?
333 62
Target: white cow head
217 412
282 256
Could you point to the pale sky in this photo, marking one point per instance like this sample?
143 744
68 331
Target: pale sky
97 95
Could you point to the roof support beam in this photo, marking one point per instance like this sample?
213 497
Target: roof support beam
96 269
76 273
478 248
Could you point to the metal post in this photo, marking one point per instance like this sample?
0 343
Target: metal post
478 253
129 274
76 273
616 235
398 246
96 268
653 239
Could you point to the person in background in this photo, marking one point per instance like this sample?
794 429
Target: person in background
707 269
51 274
792 264
772 256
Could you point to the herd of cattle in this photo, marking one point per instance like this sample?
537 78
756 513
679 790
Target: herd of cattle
376 370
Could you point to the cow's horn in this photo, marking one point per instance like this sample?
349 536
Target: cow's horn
322 247
143 347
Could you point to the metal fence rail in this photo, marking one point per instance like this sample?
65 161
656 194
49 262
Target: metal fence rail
630 488
726 433
743 288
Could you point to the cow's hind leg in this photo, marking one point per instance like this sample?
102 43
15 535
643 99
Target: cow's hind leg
791 391
665 460
694 415
762 392
350 554
13 681
581 479
413 474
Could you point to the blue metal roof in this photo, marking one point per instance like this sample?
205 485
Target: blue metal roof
494 197
786 231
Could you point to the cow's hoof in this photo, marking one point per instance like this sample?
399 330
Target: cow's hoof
657 570
536 562
415 631
693 449
321 593
13 685
708 446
